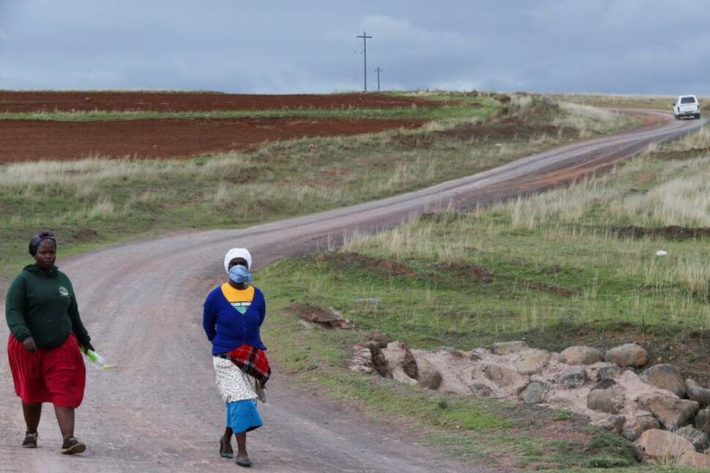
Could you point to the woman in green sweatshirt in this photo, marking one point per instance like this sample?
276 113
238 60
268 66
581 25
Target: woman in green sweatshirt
46 334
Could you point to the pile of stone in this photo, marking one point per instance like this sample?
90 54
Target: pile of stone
666 416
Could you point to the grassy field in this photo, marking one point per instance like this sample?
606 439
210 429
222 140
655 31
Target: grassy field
662 102
571 266
94 202
98 201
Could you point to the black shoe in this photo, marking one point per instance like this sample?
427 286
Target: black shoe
71 446
30 440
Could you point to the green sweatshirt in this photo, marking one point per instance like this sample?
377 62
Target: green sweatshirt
41 304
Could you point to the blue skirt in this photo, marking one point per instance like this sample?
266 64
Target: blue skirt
242 416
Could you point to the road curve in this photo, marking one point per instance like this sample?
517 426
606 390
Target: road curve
160 410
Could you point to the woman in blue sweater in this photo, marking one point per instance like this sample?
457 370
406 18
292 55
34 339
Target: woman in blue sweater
233 314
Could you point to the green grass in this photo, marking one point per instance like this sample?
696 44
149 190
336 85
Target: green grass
418 113
468 429
98 201
453 106
550 269
94 202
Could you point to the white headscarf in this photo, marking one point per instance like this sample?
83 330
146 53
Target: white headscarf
237 253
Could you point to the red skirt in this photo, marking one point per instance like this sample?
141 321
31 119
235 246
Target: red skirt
55 375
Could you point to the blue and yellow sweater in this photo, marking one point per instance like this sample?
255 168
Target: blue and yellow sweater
232 318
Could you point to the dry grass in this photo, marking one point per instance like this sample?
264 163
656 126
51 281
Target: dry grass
698 140
588 119
118 198
575 226
681 196
408 241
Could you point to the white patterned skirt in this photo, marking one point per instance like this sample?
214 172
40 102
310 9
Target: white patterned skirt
233 383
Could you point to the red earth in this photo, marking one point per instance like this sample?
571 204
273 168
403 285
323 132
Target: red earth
32 140
20 102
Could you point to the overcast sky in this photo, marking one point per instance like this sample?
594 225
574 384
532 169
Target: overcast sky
303 46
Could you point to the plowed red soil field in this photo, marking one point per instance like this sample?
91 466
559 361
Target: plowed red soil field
32 140
16 102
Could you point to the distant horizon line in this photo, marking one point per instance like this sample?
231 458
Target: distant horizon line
337 92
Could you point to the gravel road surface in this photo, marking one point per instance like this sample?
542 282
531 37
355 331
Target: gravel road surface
160 410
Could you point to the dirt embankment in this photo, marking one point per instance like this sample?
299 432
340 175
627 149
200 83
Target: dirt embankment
17 102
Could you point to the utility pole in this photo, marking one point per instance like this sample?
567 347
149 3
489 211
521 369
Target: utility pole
378 70
364 49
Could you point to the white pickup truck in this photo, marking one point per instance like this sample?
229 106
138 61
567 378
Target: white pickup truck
686 106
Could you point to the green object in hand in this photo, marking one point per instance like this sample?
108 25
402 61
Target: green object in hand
94 359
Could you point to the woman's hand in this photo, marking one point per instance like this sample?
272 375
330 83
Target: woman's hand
29 344
88 347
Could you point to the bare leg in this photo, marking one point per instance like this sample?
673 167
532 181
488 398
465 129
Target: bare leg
32 413
242 446
65 418
225 443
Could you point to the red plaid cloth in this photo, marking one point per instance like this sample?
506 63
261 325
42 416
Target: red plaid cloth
252 361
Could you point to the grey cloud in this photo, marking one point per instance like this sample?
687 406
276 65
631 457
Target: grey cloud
614 46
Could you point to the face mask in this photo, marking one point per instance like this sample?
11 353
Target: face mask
239 274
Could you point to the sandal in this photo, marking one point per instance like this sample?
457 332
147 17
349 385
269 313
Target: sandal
245 462
72 445
30 440
222 453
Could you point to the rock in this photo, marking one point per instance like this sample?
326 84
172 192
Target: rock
612 423
662 446
378 360
605 384
573 378
697 393
609 372
430 378
694 460
377 338
362 360
698 438
609 400
666 377
531 361
640 424
670 412
329 318
501 375
453 352
481 390
401 362
534 393
507 348
580 355
702 420
628 355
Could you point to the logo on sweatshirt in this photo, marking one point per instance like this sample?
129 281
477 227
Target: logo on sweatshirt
63 291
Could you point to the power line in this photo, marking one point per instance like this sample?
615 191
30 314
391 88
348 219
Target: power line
378 70
364 48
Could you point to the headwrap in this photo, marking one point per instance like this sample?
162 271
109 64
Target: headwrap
239 274
237 253
37 239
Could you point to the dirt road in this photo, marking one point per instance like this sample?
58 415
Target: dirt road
160 410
